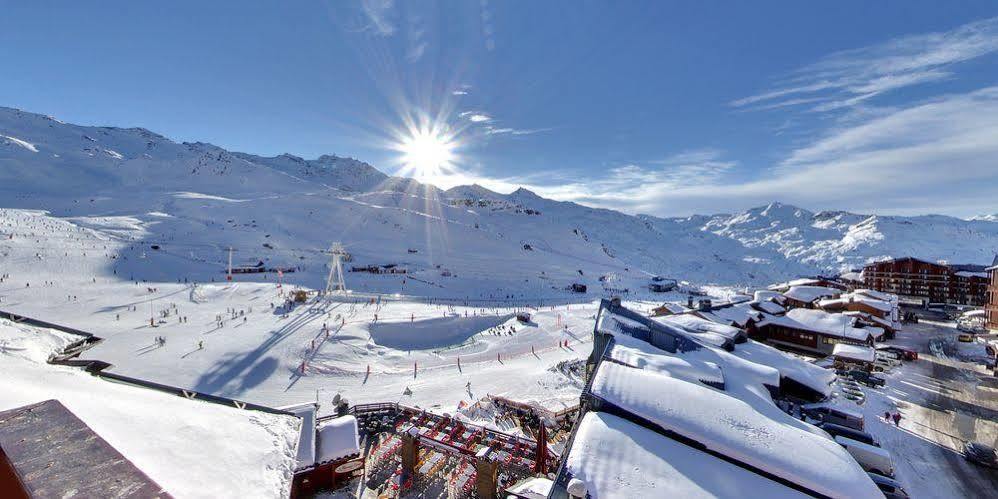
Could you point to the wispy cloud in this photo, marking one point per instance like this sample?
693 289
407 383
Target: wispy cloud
848 78
476 117
379 16
515 131
485 124
933 156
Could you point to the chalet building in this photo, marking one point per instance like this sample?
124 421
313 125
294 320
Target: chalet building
991 307
700 439
814 332
927 282
871 308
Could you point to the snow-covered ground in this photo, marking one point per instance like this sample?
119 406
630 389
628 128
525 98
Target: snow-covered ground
136 228
181 444
253 347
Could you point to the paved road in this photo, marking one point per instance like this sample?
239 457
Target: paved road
961 404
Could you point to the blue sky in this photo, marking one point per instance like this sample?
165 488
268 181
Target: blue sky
667 108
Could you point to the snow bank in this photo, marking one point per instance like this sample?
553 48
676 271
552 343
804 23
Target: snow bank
617 458
773 443
31 343
191 448
18 142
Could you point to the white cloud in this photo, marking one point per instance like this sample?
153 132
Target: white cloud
487 124
515 131
476 117
937 155
845 79
379 16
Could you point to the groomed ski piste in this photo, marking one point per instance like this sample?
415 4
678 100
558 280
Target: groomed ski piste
242 339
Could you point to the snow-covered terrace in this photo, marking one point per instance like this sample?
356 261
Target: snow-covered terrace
189 447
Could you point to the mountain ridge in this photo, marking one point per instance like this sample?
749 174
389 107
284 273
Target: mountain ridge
82 172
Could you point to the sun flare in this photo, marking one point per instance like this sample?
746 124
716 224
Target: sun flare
426 153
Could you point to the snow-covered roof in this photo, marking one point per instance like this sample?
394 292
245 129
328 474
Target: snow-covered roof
338 438
766 294
965 273
854 352
862 316
637 326
877 295
819 321
853 413
674 308
742 378
770 307
852 276
642 355
806 281
532 487
808 294
845 300
773 442
805 373
616 458
189 447
700 326
306 440
738 314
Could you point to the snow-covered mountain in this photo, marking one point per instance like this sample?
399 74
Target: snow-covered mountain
192 200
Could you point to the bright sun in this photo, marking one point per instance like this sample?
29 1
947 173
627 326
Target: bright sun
426 153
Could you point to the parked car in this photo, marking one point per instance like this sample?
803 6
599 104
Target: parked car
890 487
981 454
870 458
867 378
841 431
827 413
905 353
888 354
887 362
